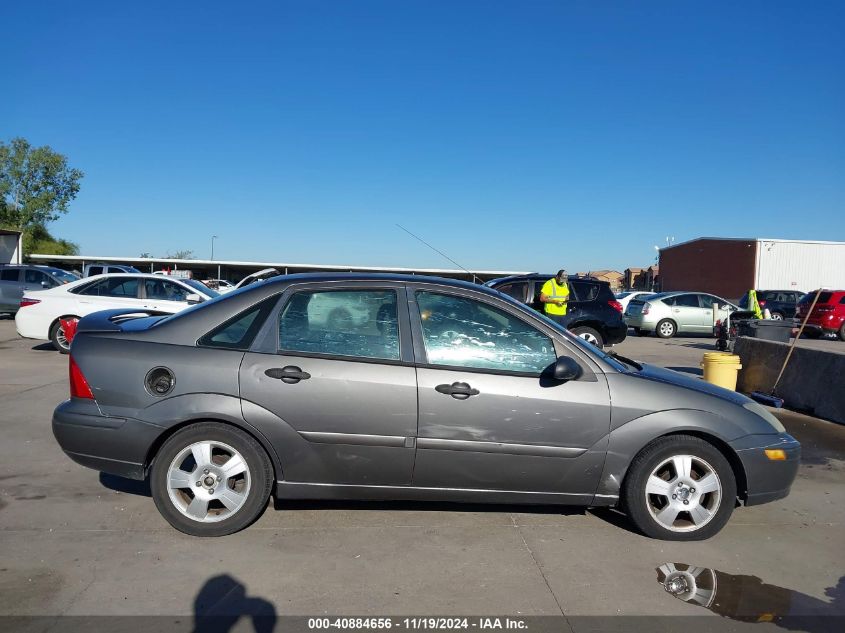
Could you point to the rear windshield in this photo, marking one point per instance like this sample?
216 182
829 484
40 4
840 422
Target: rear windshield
824 297
63 275
201 287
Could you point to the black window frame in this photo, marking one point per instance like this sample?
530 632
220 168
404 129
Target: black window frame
265 308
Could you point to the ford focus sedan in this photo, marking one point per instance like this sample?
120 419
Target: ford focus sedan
397 387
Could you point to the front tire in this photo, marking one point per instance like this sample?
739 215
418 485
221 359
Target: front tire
211 479
666 328
589 334
842 332
679 488
777 316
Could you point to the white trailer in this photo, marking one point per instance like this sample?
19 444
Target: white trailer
799 265
11 247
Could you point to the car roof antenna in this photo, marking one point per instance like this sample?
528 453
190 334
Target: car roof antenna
474 278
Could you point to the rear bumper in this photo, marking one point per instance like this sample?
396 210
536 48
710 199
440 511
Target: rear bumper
769 480
32 324
118 446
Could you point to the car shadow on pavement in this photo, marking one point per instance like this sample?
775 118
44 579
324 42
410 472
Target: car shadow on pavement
129 486
222 602
43 347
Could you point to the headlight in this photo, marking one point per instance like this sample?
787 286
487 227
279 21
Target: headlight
764 413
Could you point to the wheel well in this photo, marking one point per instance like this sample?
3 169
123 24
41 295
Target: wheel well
598 326
728 453
161 439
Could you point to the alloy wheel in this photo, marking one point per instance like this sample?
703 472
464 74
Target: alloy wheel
683 493
208 481
667 329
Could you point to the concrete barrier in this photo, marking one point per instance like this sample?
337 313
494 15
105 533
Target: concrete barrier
814 380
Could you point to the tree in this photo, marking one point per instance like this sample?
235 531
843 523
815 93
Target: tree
38 240
146 256
36 183
180 255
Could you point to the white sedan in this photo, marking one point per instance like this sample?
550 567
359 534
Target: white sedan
625 297
40 313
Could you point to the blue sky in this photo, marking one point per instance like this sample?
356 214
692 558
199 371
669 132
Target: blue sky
511 135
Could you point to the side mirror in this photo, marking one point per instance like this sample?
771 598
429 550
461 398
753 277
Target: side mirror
566 368
193 298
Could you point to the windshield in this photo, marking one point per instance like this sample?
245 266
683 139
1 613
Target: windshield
62 275
201 288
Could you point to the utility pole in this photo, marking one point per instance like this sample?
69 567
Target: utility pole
213 237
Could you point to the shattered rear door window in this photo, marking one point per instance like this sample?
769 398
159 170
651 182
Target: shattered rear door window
358 323
462 332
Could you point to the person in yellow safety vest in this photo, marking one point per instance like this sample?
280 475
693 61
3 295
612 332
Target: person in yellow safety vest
555 296
754 305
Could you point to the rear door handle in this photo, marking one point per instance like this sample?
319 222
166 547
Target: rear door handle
458 390
289 375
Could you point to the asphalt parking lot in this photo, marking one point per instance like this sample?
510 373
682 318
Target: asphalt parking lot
77 543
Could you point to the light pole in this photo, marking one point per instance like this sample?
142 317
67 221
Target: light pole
213 237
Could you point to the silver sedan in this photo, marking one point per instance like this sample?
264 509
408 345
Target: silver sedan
669 313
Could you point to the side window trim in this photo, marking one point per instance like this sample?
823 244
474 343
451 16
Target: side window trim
267 339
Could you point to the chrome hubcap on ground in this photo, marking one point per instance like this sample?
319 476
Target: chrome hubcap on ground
208 481
667 329
690 584
683 493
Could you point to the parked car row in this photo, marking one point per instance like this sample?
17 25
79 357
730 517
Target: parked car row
670 313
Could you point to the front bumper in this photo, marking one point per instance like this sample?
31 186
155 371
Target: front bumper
768 480
118 446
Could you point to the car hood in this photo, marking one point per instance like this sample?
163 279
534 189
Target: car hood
686 381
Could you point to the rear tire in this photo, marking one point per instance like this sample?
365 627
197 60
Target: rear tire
777 316
57 336
589 334
842 332
230 495
666 328
674 465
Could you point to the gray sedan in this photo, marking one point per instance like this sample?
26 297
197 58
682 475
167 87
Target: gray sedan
417 388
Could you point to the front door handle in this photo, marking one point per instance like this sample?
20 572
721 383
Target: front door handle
289 375
458 390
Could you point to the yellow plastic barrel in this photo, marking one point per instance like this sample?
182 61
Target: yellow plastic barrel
721 369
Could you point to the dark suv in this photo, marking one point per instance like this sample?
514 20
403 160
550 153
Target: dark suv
780 303
596 314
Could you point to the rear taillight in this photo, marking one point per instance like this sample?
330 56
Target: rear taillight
78 385
26 301
761 303
615 305
646 308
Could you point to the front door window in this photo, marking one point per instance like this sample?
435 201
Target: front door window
461 332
